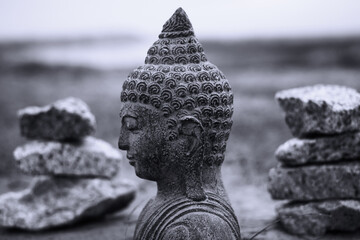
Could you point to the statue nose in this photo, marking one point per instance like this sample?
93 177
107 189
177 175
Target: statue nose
122 145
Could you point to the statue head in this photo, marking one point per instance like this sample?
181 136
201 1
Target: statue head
176 109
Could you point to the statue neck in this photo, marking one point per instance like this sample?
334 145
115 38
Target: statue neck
170 187
212 181
173 186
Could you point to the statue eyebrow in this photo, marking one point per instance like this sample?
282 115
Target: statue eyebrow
127 113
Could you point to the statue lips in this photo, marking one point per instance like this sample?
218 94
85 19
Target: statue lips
131 159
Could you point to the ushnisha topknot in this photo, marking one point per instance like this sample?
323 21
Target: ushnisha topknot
177 43
178 25
178 80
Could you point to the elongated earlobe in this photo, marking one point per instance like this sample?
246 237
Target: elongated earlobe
192 132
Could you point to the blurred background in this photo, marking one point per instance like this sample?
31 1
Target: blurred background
85 48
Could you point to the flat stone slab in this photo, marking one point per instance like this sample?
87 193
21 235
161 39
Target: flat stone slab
316 218
68 118
320 110
52 202
316 182
319 150
90 157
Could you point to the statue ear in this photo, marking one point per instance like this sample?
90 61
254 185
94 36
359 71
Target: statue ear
192 130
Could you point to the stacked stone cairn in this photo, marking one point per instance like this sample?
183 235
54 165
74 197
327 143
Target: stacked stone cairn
319 170
79 173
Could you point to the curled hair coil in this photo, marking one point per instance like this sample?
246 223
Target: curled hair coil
145 99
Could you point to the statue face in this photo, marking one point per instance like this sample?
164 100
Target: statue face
142 135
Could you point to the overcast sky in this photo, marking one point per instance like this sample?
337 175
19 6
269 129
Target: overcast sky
215 19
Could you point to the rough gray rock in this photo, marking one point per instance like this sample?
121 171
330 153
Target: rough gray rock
316 218
319 150
320 110
65 119
90 157
315 182
52 202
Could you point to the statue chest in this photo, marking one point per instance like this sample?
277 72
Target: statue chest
186 219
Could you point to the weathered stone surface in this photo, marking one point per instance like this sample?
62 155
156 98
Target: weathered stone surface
316 218
65 119
52 202
319 150
320 110
90 157
315 182
175 121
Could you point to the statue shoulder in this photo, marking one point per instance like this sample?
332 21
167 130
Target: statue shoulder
200 225
186 219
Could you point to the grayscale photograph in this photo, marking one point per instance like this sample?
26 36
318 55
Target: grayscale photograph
189 120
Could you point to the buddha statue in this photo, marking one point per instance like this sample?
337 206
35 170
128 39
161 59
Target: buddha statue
175 121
